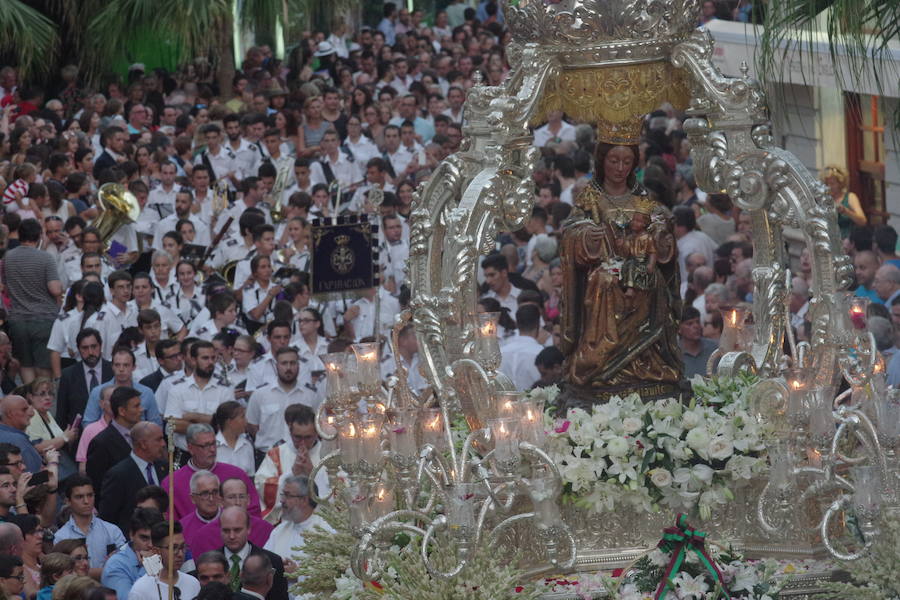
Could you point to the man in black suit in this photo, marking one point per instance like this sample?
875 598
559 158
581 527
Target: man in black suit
257 578
144 466
114 443
235 523
168 354
77 381
113 142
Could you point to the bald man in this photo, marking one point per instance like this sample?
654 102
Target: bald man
865 264
11 539
15 415
144 466
887 284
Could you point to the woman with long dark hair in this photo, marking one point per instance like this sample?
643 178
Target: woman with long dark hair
232 444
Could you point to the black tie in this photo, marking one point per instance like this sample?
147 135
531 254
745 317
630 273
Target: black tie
94 383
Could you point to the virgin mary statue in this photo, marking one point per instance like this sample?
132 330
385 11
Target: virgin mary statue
619 331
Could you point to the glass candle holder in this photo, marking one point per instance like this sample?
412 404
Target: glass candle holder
821 421
487 345
800 400
431 427
335 374
461 508
531 421
858 311
368 367
370 429
505 434
732 325
358 506
401 429
781 473
349 443
381 502
866 492
506 404
542 491
888 417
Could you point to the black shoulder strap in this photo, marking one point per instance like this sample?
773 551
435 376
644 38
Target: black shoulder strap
208 164
326 170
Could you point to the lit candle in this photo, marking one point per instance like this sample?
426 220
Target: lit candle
367 367
431 424
487 346
858 308
505 404
731 329
335 379
370 426
381 502
504 432
348 443
532 421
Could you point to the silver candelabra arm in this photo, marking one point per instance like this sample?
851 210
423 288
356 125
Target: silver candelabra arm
363 559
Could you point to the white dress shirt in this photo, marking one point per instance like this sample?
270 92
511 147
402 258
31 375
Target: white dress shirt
189 397
519 353
265 409
110 322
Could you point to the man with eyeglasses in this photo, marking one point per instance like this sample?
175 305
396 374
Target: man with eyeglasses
297 517
124 567
12 576
149 587
209 537
201 444
206 496
100 536
297 457
170 359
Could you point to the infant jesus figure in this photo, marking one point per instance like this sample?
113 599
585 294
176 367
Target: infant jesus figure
638 250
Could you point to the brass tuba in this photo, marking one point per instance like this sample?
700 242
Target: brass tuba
282 179
118 206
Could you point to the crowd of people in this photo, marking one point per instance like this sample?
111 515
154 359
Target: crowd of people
200 313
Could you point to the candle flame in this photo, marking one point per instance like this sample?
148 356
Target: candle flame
370 431
502 429
734 317
796 384
488 329
381 494
530 416
369 356
351 430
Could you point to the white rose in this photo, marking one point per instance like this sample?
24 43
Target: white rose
697 439
661 478
617 446
631 425
719 448
691 419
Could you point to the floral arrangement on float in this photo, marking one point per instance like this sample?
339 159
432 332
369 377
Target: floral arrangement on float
663 454
328 576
